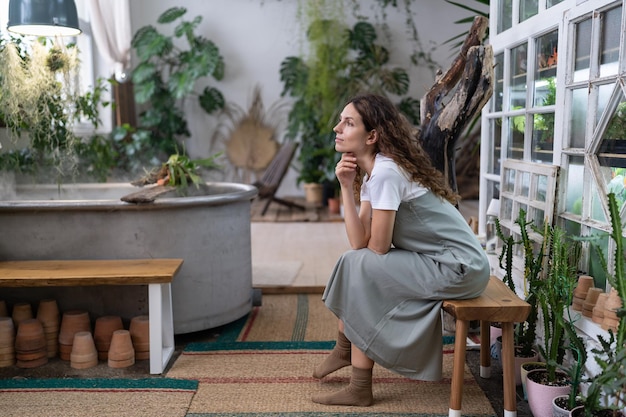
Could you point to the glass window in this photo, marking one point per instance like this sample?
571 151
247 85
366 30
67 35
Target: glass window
550 3
515 149
604 95
498 88
545 69
609 43
543 137
582 51
505 15
517 83
574 185
527 9
597 201
577 120
596 269
496 148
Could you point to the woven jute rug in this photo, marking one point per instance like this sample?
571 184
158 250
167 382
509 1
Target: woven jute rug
261 365
77 397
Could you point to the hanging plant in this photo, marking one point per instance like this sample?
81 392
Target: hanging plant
40 101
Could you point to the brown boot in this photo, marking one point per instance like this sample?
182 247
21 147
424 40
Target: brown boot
338 358
358 393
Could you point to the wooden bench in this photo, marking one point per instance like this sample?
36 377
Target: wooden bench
496 304
157 274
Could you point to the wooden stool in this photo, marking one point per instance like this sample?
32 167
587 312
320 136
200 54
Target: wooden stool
496 304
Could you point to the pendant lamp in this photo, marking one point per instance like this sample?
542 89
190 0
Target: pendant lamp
43 17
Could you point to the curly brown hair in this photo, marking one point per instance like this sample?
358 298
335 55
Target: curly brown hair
397 141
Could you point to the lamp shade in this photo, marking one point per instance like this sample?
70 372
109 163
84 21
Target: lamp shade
43 17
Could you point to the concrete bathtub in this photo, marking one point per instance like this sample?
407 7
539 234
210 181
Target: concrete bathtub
209 230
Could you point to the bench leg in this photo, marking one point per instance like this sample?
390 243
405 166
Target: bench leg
508 370
456 389
161 326
485 350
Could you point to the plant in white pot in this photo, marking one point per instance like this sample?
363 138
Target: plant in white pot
555 295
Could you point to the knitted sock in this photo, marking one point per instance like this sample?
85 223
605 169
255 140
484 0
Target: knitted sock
357 393
338 358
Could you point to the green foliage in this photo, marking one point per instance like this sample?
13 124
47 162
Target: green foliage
181 169
555 295
526 332
608 388
40 100
342 62
166 74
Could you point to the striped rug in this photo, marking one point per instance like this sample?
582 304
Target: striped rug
81 397
261 366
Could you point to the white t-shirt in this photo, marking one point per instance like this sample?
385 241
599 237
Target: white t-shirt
389 185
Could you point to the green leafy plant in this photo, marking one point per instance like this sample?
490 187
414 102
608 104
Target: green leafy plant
40 101
166 74
342 62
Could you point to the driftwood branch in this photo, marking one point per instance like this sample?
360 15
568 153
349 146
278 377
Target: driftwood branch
443 119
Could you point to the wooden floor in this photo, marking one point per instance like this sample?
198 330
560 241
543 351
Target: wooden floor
281 213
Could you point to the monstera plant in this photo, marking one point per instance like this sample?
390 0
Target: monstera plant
167 74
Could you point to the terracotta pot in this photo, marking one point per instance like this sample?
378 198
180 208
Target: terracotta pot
540 396
333 205
103 331
590 301
121 352
48 314
30 337
21 312
612 303
73 321
597 315
7 332
30 344
140 334
7 342
580 292
84 354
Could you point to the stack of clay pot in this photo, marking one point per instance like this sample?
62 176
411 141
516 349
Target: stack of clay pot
21 312
140 335
84 354
73 321
612 303
590 301
49 316
121 352
597 315
580 292
103 331
30 344
7 342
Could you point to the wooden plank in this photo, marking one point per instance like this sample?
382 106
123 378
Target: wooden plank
496 303
147 195
87 272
